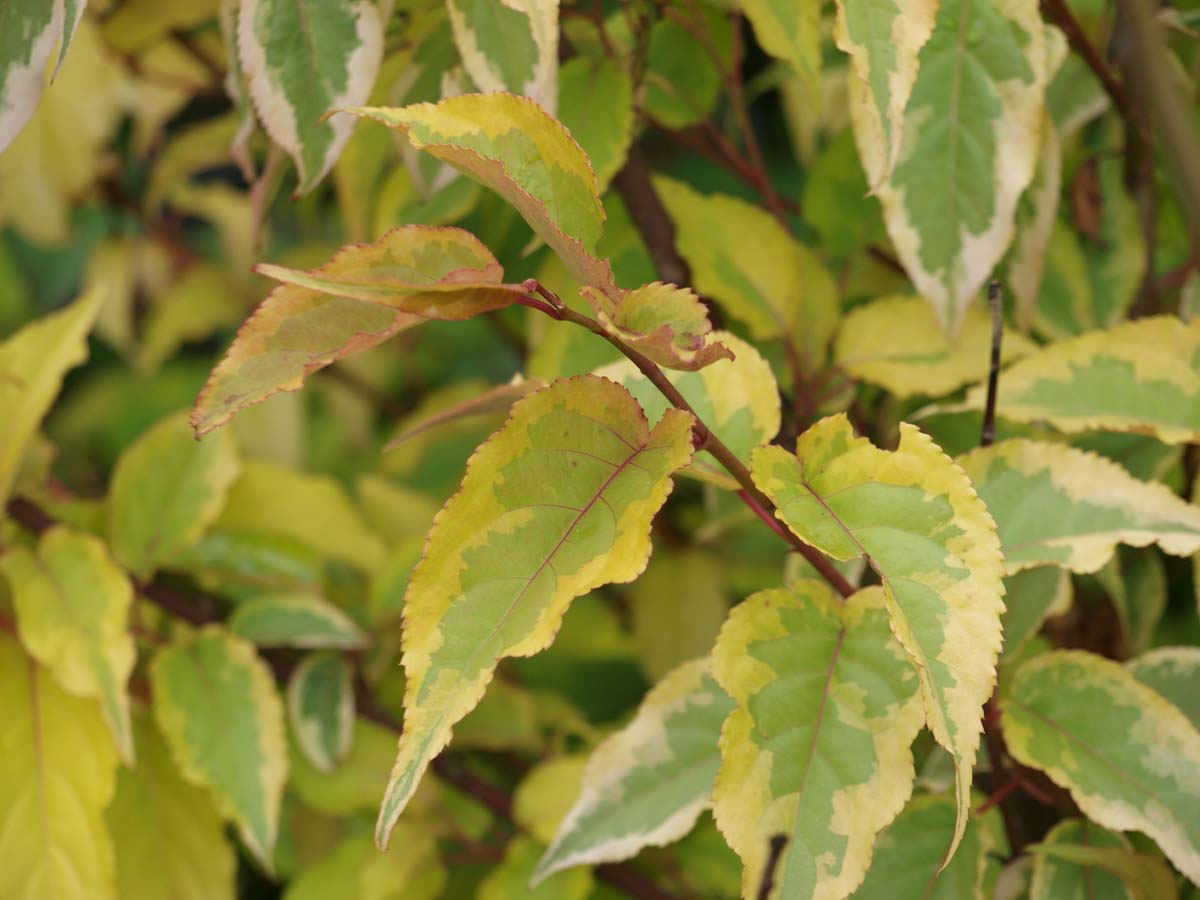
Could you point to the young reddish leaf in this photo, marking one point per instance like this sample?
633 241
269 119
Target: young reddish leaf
555 504
513 146
666 323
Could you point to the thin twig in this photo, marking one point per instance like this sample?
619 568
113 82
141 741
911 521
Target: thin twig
995 301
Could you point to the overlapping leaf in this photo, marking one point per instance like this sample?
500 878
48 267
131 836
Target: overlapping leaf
1138 376
818 748
72 606
1056 877
667 324
303 59
1031 597
1056 504
916 519
557 503
971 135
749 263
32 364
789 31
169 841
511 46
513 146
295 620
1036 216
1175 673
738 399
59 774
647 784
895 342
596 105
1136 767
167 488
29 31
320 706
883 38
216 704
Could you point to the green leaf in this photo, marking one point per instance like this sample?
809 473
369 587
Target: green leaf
216 704
789 31
682 80
677 607
1137 376
1147 877
546 794
293 333
555 504
296 620
1056 504
895 342
170 843
167 489
320 706
303 59
737 399
509 46
915 517
1136 582
1060 877
971 132
1136 767
312 510
72 606
511 879
1031 597
1036 218
1175 673
818 748
59 774
29 31
648 783
32 364
434 273
749 263
595 102
513 146
665 323
908 856
355 870
883 38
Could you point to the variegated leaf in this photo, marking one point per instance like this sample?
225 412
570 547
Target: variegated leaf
1059 878
29 31
434 273
883 38
915 517
295 620
1175 673
971 135
302 59
513 146
1136 767
72 604
216 704
167 489
1036 214
59 774
818 748
1138 376
1055 504
895 342
665 323
1031 597
647 784
32 364
738 399
555 504
909 854
749 263
320 706
509 45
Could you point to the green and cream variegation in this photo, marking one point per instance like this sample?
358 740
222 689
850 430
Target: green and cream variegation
216 704
296 620
1056 504
1139 376
29 32
513 146
883 38
646 785
509 45
1036 215
971 131
1134 768
737 398
320 707
1175 673
555 504
303 59
916 519
72 603
818 747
